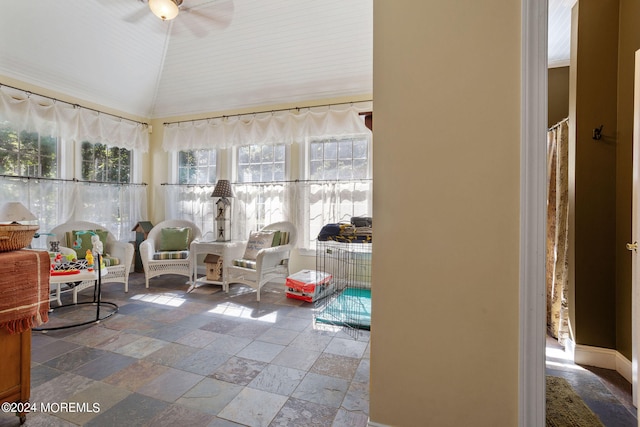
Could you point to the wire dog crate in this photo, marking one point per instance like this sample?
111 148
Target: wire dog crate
349 264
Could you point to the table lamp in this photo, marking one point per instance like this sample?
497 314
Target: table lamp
222 219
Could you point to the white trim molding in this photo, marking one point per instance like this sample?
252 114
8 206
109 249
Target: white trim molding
603 358
531 385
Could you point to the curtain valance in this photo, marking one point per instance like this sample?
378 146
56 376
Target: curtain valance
281 127
70 122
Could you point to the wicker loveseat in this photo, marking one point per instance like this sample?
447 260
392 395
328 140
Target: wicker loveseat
158 260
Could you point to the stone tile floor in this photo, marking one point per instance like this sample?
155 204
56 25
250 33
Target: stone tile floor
206 358
605 391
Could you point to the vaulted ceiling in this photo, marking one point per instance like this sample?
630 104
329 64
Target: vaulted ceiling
217 55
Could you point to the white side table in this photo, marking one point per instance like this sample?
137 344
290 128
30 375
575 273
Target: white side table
227 250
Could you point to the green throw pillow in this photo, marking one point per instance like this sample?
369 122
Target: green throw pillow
174 239
276 238
85 243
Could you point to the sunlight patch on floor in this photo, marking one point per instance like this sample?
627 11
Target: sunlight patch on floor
171 300
239 311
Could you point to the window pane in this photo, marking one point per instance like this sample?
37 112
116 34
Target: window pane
197 167
243 155
256 153
344 169
344 150
261 163
105 164
360 168
360 149
267 154
330 150
27 153
316 151
330 169
278 172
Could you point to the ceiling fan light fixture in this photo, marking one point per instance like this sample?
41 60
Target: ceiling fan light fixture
165 9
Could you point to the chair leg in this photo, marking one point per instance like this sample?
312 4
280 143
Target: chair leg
146 279
126 285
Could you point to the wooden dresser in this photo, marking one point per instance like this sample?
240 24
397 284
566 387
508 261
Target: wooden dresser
15 376
24 282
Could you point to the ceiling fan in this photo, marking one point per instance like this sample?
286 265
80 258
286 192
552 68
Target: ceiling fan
218 13
165 9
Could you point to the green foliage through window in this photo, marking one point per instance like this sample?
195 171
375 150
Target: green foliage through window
25 153
105 164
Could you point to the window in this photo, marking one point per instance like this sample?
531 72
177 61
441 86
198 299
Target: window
339 186
25 153
197 167
261 163
105 164
339 159
260 189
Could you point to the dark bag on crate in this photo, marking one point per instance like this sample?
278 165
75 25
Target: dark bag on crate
329 232
362 221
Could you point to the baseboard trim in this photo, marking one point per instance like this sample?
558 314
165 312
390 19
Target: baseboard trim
603 358
372 424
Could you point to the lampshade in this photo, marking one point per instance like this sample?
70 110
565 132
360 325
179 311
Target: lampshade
165 9
14 212
223 189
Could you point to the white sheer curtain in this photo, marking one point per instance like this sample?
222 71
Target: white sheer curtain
282 127
53 202
46 116
309 205
192 203
330 202
260 204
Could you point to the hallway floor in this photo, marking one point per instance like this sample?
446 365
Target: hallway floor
206 358
605 391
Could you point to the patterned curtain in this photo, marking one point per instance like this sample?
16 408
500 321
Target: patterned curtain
557 231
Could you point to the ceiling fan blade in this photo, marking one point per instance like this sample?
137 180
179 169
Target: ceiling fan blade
218 13
137 15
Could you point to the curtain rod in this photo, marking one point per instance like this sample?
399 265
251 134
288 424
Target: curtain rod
28 93
21 177
303 181
267 111
558 124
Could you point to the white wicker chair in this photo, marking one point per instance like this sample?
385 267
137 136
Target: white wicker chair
271 263
158 267
121 250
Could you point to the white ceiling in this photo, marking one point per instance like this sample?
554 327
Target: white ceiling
559 40
216 55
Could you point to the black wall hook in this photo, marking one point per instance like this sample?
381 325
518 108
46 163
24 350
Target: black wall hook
597 133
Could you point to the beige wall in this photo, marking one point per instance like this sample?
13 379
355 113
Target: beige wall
558 90
444 345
